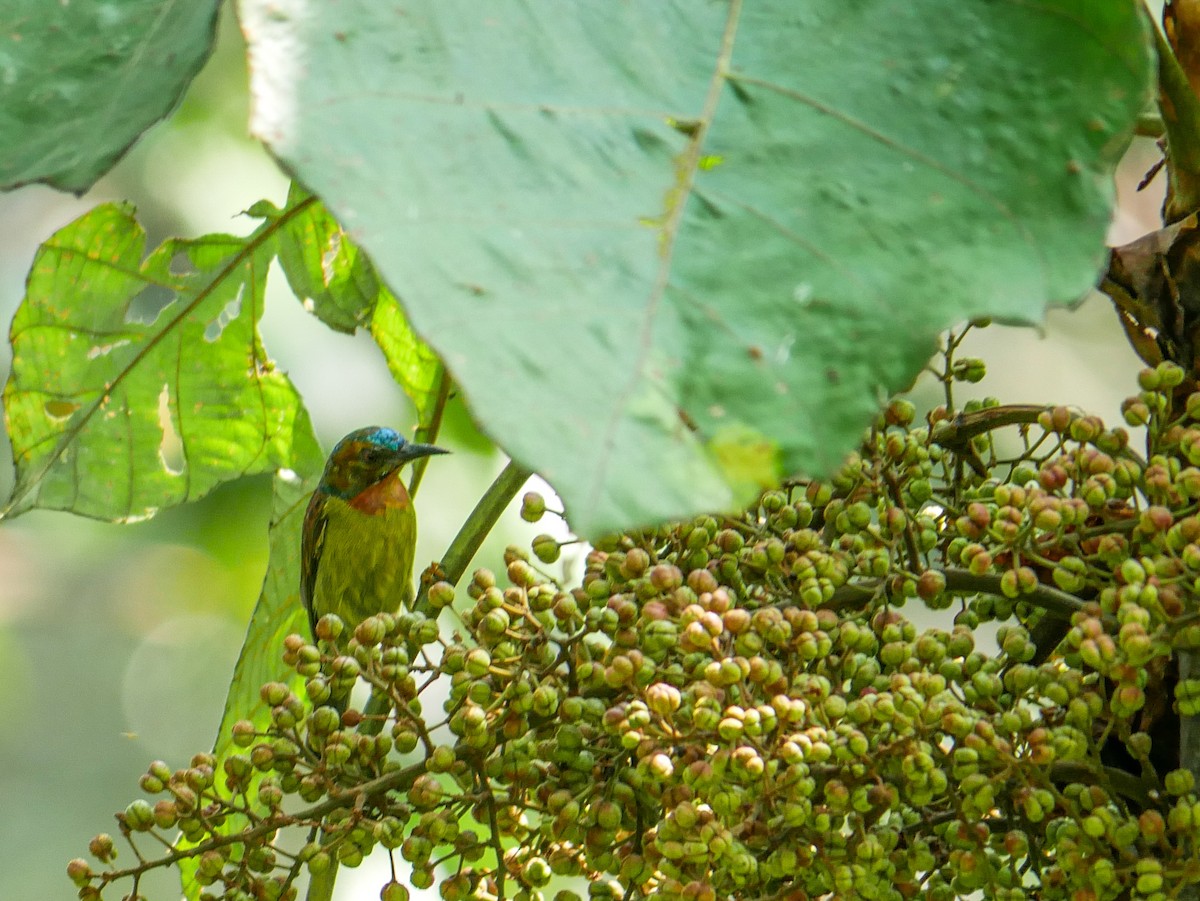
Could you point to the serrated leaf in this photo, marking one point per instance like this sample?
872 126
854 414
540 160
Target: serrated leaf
141 383
81 81
629 228
339 285
277 614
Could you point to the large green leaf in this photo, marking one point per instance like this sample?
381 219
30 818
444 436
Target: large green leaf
137 384
673 250
80 81
337 283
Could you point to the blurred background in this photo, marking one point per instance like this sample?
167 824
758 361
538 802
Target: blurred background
117 641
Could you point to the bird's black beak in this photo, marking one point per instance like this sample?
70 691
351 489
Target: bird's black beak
412 451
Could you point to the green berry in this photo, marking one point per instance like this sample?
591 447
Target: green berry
533 507
79 872
546 548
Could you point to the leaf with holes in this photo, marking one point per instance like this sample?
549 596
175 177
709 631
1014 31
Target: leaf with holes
338 284
141 383
79 82
673 250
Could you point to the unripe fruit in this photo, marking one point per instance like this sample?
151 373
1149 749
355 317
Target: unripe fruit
1170 374
102 847
660 766
533 506
1135 411
79 872
1009 584
1179 782
930 585
1070 574
370 631
139 816
477 663
546 548
663 699
900 412
441 594
1148 379
666 577
969 369
980 563
329 628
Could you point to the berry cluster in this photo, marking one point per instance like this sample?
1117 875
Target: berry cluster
740 706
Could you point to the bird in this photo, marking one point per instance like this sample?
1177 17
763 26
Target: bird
360 529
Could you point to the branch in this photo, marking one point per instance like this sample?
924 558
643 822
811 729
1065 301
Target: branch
1125 784
910 542
955 434
397 779
476 528
1052 600
960 581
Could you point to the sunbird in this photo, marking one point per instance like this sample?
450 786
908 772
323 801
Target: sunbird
360 529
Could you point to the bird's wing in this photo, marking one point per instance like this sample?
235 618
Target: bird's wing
311 543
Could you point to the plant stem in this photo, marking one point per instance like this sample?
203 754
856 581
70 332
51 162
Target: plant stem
955 434
428 432
476 528
1052 600
959 581
1149 125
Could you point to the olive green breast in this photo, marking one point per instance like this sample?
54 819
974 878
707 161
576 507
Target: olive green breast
366 561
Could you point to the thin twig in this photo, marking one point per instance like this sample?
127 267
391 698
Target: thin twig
396 780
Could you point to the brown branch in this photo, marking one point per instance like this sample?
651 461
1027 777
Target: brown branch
398 779
1125 784
1052 600
959 581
